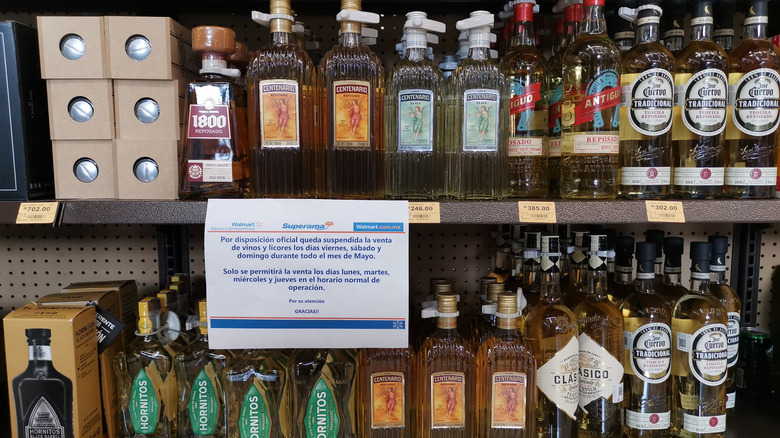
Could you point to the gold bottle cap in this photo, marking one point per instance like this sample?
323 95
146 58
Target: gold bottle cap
351 4
493 290
507 303
483 284
442 288
213 39
203 317
146 307
447 302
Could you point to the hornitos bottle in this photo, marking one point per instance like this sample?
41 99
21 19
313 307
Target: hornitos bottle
475 157
415 116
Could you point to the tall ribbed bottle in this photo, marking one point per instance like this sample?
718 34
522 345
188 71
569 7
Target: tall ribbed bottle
385 382
353 99
476 152
445 387
648 353
590 116
506 381
552 332
415 116
286 155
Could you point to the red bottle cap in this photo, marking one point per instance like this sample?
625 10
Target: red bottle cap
559 25
573 14
524 12
593 2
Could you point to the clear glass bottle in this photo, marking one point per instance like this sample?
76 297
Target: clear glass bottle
699 361
590 116
526 69
600 328
754 90
552 332
577 287
646 110
202 409
648 353
445 387
674 24
386 383
287 159
353 99
414 120
142 371
701 88
622 282
476 152
723 35
506 383
214 160
670 287
720 289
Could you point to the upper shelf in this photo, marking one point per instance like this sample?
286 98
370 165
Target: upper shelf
453 212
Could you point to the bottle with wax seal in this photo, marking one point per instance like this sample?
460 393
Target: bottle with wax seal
287 159
214 159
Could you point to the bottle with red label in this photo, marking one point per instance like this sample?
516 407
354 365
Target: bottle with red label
214 160
589 113
525 69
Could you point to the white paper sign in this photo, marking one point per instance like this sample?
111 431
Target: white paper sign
307 273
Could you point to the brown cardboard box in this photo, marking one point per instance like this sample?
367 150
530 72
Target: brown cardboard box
52 33
109 302
73 354
169 48
163 153
67 153
63 93
164 96
128 293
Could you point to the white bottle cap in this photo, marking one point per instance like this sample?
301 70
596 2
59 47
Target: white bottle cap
357 16
416 30
631 15
478 24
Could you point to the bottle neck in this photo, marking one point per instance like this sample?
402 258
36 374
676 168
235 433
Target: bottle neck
551 287
623 275
577 273
212 60
648 31
281 38
506 327
39 353
673 278
755 31
524 34
645 285
446 323
717 274
597 282
593 22
702 30
700 282
350 34
415 54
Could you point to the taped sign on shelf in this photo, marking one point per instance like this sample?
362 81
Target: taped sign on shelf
37 212
424 213
537 212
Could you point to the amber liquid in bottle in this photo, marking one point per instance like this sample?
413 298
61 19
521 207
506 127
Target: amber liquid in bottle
555 94
385 385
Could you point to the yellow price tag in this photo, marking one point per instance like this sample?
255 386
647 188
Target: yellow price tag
665 211
36 213
537 212
424 213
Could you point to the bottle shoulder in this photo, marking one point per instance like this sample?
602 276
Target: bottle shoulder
701 55
645 56
727 296
650 306
524 58
592 48
700 306
415 74
752 54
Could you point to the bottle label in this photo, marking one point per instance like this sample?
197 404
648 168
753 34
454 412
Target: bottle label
508 404
526 147
731 400
415 121
524 98
590 144
751 176
704 425
558 378
708 354
144 404
253 419
699 176
209 171
44 422
388 406
209 117
645 176
554 147
648 350
279 115
642 421
733 338
703 101
203 405
754 102
448 392
480 120
554 113
601 376
322 416
648 99
352 114
603 92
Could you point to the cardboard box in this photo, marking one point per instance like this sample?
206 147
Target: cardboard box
128 293
73 402
54 38
160 48
163 153
68 153
92 120
160 119
110 342
25 148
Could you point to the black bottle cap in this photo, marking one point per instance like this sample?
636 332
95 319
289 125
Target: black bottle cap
648 12
700 257
611 234
532 239
701 8
38 333
725 10
645 259
675 8
621 24
757 8
657 237
720 244
673 248
624 250
595 228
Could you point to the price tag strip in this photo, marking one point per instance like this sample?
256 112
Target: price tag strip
665 211
537 212
424 213
37 212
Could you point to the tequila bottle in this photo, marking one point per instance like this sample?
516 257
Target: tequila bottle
577 287
552 332
674 24
648 353
486 321
646 110
754 90
671 288
622 281
415 116
215 156
590 116
476 152
700 356
723 35
525 68
701 88
506 384
353 97
532 278
287 159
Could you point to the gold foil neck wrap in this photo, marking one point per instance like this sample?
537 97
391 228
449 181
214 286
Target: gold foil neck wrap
442 288
507 303
351 4
203 316
447 302
351 27
281 7
484 282
145 307
493 291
